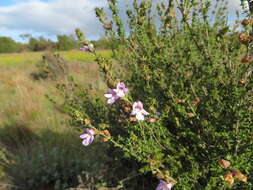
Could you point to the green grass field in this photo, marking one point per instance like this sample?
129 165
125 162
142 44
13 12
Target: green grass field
32 57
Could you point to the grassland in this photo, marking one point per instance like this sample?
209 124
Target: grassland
23 99
12 59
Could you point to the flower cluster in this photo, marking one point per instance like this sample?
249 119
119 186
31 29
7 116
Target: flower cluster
120 92
137 110
117 93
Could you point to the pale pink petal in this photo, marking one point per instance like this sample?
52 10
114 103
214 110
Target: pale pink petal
139 116
83 136
111 101
90 132
88 141
169 186
108 95
144 112
134 112
139 105
120 93
126 90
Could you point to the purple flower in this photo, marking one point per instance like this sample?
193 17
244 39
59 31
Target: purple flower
117 93
88 48
112 96
88 137
84 48
121 89
138 111
164 186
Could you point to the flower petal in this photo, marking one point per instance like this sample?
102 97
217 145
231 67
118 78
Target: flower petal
108 95
144 112
90 132
120 93
139 116
83 136
111 101
126 90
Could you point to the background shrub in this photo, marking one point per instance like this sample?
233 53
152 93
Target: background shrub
51 67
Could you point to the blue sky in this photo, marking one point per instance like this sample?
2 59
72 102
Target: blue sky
52 17
13 2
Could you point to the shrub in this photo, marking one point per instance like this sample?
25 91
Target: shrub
8 45
187 71
51 67
65 42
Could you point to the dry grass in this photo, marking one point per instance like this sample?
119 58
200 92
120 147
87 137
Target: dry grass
23 99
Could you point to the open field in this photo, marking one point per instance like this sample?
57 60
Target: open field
23 99
32 57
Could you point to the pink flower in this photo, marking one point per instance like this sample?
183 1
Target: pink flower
88 48
84 48
112 96
138 111
164 186
88 137
117 93
121 89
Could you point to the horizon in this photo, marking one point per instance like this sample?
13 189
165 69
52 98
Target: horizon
49 18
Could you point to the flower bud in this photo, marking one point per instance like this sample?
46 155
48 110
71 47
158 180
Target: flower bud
238 175
87 121
196 101
106 135
246 22
228 177
180 101
224 163
245 39
132 119
242 81
152 120
247 59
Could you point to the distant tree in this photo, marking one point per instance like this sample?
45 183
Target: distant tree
40 44
102 43
25 37
65 42
8 45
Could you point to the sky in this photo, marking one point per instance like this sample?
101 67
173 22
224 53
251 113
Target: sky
52 17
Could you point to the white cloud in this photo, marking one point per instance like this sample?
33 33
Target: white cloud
58 16
50 18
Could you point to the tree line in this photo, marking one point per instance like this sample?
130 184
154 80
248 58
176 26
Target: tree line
63 43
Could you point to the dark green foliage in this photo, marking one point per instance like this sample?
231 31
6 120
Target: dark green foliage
65 42
187 71
52 66
7 45
40 44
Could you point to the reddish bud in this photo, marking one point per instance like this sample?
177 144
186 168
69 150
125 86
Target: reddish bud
180 101
228 177
196 101
245 39
247 59
224 163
